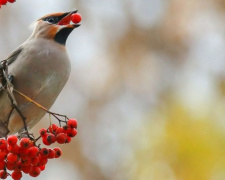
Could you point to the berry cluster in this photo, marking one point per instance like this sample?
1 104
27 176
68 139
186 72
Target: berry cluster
62 135
4 2
22 155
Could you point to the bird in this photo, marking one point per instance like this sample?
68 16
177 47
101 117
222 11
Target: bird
39 68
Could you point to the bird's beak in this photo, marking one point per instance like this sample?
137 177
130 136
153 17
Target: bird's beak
66 19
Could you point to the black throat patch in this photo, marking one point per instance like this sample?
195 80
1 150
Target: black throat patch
62 35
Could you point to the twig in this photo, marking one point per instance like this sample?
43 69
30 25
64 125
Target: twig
9 116
42 107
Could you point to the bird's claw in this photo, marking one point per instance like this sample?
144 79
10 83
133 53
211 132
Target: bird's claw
10 78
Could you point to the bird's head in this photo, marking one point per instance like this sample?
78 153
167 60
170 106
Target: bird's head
55 27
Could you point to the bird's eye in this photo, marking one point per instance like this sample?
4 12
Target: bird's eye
51 19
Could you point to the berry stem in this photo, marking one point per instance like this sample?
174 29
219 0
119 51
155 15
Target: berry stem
42 107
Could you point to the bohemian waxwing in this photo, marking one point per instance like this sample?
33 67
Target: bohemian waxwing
39 68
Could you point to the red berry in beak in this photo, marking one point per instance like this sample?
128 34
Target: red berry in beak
76 18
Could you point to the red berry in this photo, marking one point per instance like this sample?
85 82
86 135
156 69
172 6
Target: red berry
35 172
45 141
27 169
58 152
25 143
53 128
42 161
44 152
33 152
32 143
43 132
14 149
3 155
59 130
23 151
2 165
61 138
12 158
16 175
35 161
11 1
76 18
72 123
3 144
18 166
3 2
68 129
68 139
65 128
3 174
72 132
12 140
51 138
42 167
26 161
10 166
51 154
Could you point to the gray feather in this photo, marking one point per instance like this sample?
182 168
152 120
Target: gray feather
12 57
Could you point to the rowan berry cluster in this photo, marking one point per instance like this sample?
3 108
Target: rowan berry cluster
22 155
4 2
62 135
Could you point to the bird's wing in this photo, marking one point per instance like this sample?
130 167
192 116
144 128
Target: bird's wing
12 57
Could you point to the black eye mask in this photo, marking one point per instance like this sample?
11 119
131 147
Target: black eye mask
52 19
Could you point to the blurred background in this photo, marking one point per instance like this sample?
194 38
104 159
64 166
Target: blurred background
147 87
